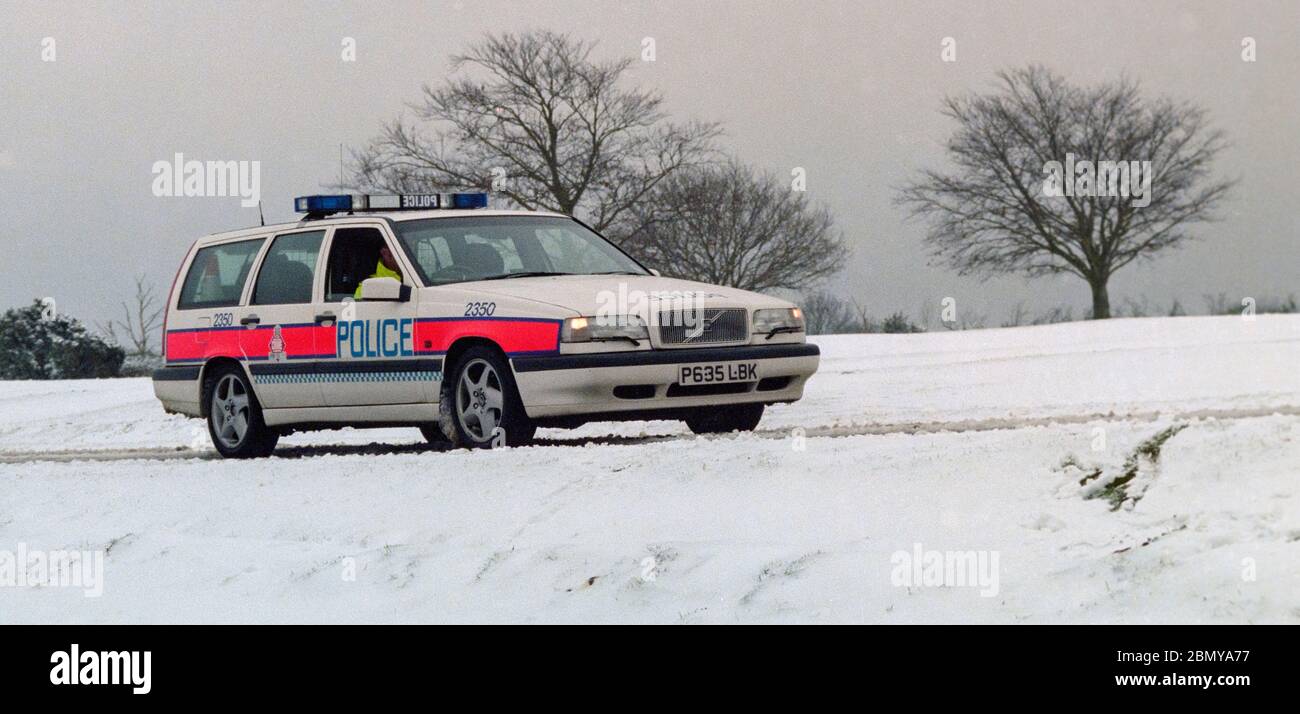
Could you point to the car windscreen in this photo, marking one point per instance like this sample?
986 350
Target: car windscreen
454 250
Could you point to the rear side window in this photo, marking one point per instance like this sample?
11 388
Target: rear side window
289 270
218 274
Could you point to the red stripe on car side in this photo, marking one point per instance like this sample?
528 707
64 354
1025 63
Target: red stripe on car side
435 336
430 336
299 341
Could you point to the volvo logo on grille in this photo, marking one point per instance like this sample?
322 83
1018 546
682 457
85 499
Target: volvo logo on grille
703 325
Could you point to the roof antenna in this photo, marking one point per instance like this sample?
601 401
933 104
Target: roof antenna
259 213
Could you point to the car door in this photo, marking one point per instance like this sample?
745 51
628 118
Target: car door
371 344
279 336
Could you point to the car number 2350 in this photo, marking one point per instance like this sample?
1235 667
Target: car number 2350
719 373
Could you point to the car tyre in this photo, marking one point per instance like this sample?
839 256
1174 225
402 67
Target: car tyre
235 420
720 420
481 397
433 434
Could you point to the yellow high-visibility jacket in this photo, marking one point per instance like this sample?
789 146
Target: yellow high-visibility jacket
381 271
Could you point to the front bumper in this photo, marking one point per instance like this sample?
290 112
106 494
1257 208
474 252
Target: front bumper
647 380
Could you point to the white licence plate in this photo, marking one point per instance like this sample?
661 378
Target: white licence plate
717 373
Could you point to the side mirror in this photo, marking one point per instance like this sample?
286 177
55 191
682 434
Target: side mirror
655 273
385 290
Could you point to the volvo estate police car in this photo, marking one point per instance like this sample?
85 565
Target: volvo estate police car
474 325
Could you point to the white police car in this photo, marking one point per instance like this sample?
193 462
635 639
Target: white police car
475 325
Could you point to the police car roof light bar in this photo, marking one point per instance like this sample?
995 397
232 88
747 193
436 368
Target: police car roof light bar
324 205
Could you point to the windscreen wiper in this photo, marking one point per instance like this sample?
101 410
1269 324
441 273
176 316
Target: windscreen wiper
782 330
524 274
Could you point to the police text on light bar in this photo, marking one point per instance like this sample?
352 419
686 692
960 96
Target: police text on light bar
394 202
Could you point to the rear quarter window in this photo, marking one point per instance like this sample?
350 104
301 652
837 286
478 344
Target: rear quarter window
216 277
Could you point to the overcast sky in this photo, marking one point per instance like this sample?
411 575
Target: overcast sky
848 91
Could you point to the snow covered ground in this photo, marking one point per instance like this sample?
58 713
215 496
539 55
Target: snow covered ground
951 444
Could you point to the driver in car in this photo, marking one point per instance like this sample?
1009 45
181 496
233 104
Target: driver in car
385 268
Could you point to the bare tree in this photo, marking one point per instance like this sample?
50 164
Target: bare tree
827 314
141 319
995 212
861 319
535 118
730 225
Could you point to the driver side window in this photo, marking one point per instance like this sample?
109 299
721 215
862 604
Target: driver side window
354 256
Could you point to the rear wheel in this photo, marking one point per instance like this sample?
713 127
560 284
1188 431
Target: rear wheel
719 420
480 405
235 417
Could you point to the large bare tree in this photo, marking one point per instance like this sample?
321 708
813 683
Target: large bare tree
1000 210
536 118
730 225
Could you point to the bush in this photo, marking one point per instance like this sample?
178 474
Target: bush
898 324
1221 305
140 365
34 345
826 314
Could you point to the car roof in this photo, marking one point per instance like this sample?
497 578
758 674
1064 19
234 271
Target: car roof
344 219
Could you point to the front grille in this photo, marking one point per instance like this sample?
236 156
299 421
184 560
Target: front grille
685 328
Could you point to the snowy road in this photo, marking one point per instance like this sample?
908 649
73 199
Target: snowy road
974 441
561 438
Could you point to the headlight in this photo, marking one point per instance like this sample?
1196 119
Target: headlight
593 329
776 321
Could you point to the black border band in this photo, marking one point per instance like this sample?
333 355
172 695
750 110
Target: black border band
187 373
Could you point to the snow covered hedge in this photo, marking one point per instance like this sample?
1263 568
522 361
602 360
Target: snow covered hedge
35 343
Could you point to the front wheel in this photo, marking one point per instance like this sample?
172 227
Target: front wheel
720 420
235 417
480 406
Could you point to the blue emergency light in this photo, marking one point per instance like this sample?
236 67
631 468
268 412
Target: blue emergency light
469 200
394 202
322 204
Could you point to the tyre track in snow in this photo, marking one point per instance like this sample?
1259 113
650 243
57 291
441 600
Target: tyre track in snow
826 431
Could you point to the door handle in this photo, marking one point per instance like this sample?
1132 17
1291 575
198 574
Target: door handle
325 317
249 320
